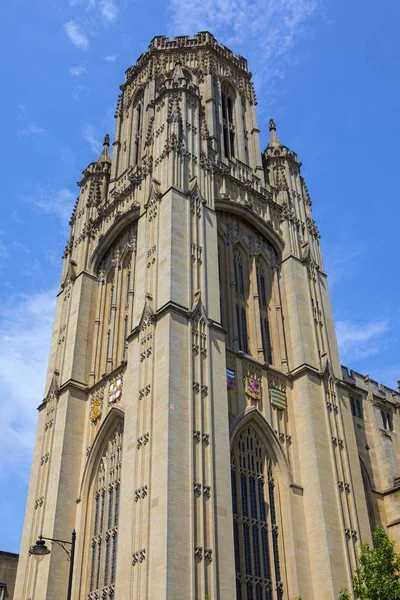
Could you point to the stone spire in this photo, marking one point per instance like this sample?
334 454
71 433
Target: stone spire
274 141
105 155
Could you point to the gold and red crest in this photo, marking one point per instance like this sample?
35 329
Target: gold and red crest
95 407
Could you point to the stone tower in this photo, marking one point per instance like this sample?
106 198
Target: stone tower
196 429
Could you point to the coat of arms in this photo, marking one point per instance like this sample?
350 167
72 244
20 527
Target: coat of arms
253 388
115 390
95 407
230 379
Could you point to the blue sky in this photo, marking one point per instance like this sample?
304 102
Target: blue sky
326 70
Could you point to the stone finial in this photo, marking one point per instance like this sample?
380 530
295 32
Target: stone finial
105 155
274 141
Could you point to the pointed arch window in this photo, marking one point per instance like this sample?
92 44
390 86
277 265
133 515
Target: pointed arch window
137 128
105 493
255 520
228 127
262 290
241 292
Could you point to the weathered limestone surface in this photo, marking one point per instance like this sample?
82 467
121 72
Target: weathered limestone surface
194 361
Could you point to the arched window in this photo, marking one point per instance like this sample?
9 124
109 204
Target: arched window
255 520
262 291
241 290
137 128
105 495
113 316
228 126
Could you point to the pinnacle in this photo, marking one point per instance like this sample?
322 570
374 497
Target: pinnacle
178 73
105 155
274 141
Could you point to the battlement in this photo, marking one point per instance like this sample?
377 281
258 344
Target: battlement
366 384
201 40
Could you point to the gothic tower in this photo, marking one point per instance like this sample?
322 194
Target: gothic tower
195 429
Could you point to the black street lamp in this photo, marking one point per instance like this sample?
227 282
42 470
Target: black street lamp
39 550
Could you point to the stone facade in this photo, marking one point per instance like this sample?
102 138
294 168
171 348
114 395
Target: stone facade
198 430
8 574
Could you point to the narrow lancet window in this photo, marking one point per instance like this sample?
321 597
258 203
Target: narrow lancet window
137 129
228 127
241 286
264 311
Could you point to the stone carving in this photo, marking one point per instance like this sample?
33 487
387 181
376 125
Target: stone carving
142 440
138 557
236 230
208 554
141 493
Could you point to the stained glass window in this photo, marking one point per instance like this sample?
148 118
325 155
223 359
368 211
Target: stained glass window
105 518
256 527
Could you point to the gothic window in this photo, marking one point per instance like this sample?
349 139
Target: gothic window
387 419
246 288
137 128
255 520
228 127
241 292
105 498
356 407
262 291
113 316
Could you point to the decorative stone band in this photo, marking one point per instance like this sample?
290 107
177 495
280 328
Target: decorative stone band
278 398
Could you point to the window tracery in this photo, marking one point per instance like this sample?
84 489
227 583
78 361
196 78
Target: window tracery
255 520
105 496
228 126
247 289
114 303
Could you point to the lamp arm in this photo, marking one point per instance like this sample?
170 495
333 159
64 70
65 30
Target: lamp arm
60 543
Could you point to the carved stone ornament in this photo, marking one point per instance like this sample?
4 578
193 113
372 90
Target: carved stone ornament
147 315
96 406
235 230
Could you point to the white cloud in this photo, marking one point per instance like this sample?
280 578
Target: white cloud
78 70
109 11
88 3
21 111
358 340
76 35
265 30
89 134
110 58
31 129
25 333
78 91
55 202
